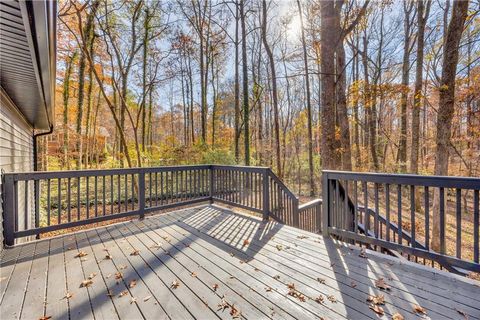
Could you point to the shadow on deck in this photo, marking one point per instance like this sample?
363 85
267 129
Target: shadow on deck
208 262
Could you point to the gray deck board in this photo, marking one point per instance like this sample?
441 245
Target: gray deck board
57 304
308 260
239 253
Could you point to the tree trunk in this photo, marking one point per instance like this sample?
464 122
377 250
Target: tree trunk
274 91
327 32
66 98
309 105
237 87
246 111
446 106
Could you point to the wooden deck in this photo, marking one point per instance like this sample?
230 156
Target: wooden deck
207 263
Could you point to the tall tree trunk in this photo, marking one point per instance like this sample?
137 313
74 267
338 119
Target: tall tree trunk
274 90
66 98
246 111
146 26
402 150
309 105
237 86
327 33
446 106
422 16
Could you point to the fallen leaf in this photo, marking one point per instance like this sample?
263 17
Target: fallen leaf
397 316
294 293
45 318
463 313
68 295
378 299
91 275
118 275
123 293
234 312
276 277
232 254
279 247
194 274
81 254
377 309
135 253
319 299
215 287
175 284
381 284
268 289
132 283
121 267
108 257
86 283
353 284
133 300
291 286
321 280
362 254
147 298
419 309
302 237
332 298
256 269
222 305
246 242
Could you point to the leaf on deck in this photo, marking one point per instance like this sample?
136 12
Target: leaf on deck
319 299
68 295
123 293
81 254
279 247
222 305
381 284
302 237
147 298
397 316
132 283
86 283
377 309
246 242
135 253
45 317
215 287
194 274
321 280
175 284
332 298
234 312
362 253
419 309
378 299
133 300
463 313
118 275
108 257
92 275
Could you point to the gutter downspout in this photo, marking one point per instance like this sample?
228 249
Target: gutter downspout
36 187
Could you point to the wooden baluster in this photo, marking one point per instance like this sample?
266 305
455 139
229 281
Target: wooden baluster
427 217
458 214
412 216
399 213
387 211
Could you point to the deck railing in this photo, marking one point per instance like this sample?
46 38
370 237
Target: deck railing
40 202
371 209
396 212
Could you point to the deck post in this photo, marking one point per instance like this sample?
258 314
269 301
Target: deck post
9 208
266 195
211 184
296 222
325 203
141 193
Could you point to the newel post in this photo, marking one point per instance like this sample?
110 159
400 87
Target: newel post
9 208
325 203
266 195
212 191
141 193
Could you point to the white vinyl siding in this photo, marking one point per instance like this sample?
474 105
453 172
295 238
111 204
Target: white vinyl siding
16 151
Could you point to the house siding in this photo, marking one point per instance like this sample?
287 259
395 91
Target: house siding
16 152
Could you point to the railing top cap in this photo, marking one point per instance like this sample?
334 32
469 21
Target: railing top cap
408 179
